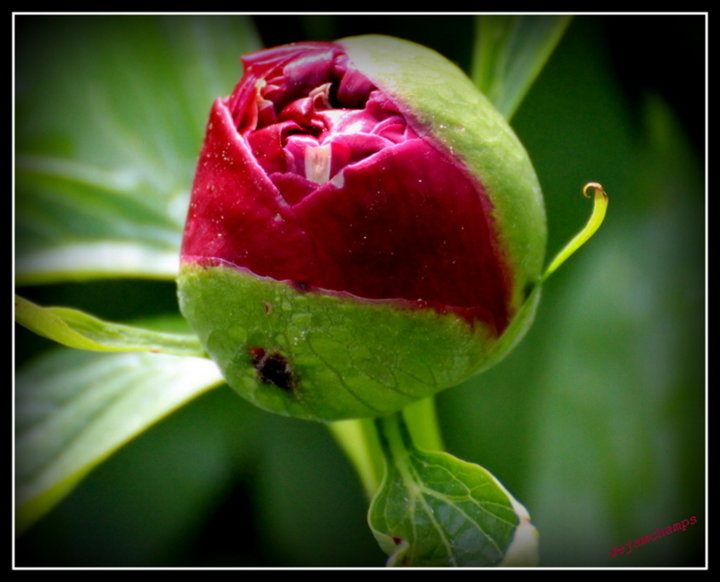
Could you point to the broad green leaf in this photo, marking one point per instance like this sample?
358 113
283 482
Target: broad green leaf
96 260
510 52
82 331
110 112
436 510
74 408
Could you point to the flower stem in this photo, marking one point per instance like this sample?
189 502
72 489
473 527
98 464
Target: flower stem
422 422
360 440
395 439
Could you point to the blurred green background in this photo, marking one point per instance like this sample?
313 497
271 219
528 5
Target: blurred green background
596 422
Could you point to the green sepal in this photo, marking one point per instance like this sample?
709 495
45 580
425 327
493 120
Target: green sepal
346 357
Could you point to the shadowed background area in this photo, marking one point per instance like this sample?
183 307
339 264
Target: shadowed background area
596 422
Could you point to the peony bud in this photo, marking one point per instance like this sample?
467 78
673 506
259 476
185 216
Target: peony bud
364 230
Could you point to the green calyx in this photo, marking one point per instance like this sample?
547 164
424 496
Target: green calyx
328 357
447 107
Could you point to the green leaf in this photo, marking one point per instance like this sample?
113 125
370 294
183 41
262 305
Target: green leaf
510 52
74 408
436 510
96 260
82 331
110 117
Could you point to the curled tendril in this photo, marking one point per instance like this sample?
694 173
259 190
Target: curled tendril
593 186
590 190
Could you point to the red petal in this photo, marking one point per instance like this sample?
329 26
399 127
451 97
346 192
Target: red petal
409 223
236 213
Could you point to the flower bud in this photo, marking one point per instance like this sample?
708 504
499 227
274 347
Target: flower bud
364 229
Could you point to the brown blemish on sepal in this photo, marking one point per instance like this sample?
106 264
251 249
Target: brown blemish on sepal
273 367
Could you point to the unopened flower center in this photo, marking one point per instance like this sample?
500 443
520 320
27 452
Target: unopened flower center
306 127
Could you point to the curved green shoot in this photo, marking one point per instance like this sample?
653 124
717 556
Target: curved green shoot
79 330
600 203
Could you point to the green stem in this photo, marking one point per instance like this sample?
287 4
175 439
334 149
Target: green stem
360 440
422 422
395 439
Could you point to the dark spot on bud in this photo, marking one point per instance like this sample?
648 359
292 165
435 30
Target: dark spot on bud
301 286
273 368
397 541
267 307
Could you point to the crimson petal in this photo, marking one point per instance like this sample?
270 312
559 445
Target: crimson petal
309 173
